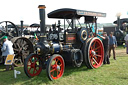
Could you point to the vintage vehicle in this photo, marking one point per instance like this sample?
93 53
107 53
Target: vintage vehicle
71 44
22 46
121 30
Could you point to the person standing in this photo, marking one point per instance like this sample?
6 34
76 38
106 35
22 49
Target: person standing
126 42
106 47
112 45
6 50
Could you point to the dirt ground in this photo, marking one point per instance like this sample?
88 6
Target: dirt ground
121 52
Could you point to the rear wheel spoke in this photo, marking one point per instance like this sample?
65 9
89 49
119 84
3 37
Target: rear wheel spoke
95 61
94 44
98 55
97 48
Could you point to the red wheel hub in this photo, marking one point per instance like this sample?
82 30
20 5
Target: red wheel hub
33 65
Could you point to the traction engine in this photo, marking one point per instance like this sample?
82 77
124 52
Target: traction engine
69 45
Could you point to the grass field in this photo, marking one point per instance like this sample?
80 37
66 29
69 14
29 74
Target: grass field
114 74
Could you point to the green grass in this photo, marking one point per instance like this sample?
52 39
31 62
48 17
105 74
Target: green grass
114 74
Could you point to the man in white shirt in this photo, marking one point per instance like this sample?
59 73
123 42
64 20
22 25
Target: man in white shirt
126 42
6 50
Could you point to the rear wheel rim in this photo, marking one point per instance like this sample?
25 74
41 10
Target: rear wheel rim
96 53
56 67
34 66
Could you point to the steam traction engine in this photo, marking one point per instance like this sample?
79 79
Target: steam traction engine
22 46
72 44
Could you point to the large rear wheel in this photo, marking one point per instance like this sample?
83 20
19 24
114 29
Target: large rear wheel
32 65
22 48
55 67
94 53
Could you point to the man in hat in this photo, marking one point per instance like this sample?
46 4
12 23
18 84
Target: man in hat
6 50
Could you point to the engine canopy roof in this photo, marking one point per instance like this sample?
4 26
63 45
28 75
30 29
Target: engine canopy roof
68 13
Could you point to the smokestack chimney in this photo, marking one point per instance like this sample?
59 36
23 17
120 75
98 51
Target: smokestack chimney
42 22
21 27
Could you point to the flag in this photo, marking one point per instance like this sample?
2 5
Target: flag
35 36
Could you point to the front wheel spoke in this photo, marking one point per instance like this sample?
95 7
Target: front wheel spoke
37 65
58 70
34 70
52 70
60 65
29 69
57 73
29 65
36 60
30 60
95 61
52 74
55 61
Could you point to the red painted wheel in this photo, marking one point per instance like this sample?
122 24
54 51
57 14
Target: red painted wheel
55 67
94 53
32 65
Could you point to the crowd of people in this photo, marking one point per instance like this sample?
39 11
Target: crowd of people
109 43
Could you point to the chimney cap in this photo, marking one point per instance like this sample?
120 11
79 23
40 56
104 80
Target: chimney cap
41 7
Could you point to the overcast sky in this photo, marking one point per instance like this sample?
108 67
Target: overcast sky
27 10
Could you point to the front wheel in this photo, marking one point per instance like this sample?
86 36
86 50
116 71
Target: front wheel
32 65
55 67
